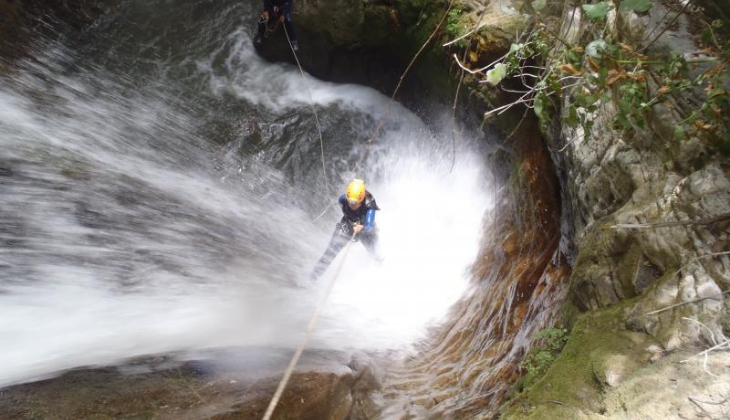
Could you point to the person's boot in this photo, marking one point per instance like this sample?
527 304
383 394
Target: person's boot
258 40
295 46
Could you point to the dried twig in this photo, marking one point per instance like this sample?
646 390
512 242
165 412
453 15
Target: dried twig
456 100
466 69
687 303
713 254
710 350
712 334
669 25
701 222
556 402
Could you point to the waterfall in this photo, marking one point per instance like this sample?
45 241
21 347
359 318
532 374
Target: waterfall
158 186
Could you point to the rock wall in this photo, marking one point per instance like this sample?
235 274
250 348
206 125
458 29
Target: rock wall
639 218
650 229
21 20
163 388
365 42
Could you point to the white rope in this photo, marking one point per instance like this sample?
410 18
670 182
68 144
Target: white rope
317 313
312 325
314 109
381 122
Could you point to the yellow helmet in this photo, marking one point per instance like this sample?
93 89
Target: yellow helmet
355 191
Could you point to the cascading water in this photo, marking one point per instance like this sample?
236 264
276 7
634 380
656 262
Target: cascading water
158 183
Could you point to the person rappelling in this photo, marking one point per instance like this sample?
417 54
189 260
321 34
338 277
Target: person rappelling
277 10
357 223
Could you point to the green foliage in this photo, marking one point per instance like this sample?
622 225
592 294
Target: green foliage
546 347
602 72
597 11
455 27
640 6
495 75
598 71
539 5
596 48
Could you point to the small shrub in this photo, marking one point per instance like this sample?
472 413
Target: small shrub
547 345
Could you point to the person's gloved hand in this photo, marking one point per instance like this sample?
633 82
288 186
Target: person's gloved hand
357 229
265 15
281 18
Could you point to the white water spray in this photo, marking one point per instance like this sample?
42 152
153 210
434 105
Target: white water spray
121 239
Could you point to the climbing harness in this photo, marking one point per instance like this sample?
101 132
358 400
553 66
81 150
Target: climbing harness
268 29
312 325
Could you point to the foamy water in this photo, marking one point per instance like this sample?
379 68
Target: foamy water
125 231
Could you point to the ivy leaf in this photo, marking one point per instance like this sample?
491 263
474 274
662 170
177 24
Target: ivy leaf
498 73
596 48
588 100
639 6
515 48
538 5
541 107
597 11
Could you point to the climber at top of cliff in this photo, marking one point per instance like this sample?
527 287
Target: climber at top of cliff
273 10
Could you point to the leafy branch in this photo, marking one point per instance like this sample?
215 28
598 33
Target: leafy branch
542 66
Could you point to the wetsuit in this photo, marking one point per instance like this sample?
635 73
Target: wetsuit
277 8
364 215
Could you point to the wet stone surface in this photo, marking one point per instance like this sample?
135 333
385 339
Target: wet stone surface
20 21
220 389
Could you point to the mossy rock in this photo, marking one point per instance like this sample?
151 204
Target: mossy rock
600 354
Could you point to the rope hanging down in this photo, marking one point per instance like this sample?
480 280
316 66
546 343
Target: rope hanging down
318 311
314 109
312 325
381 122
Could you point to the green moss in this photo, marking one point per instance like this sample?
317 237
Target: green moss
457 25
575 381
569 314
590 265
546 346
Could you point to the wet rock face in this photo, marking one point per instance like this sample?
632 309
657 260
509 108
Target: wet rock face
20 20
648 208
341 41
162 388
651 232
